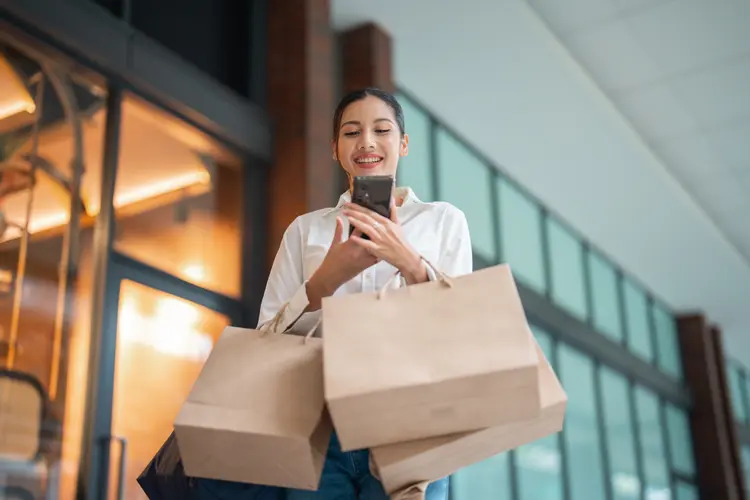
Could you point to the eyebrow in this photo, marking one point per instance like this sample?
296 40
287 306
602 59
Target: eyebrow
355 122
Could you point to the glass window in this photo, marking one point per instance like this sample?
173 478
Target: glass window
566 257
736 388
465 182
45 335
636 315
680 440
160 337
539 464
487 479
618 424
652 445
521 237
415 169
686 491
581 433
670 358
604 297
746 464
178 199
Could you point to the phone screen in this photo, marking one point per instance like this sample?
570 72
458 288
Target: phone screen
373 192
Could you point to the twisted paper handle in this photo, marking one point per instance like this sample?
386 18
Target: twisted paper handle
273 325
441 276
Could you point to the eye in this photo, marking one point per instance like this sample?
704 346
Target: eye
351 134
382 130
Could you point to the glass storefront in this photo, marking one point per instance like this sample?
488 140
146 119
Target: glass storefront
173 272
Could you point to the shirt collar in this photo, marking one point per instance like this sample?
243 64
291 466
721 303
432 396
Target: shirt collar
406 192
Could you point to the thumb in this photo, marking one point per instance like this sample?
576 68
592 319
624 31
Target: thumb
338 232
394 216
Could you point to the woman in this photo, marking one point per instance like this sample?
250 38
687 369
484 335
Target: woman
317 260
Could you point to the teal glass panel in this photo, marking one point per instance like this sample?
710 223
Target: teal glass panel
465 181
605 299
415 169
521 235
566 258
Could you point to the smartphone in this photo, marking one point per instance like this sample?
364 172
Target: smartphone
373 192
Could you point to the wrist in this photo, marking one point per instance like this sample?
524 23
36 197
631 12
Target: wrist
414 270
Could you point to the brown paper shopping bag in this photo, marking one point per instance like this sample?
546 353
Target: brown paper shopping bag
406 466
429 359
256 414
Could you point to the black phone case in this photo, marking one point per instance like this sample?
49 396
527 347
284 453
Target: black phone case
374 193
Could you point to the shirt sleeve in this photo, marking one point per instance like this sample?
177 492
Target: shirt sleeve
456 259
286 286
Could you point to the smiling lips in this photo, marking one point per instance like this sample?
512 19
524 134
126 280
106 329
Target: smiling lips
368 161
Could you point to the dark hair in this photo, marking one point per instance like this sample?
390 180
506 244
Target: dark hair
358 95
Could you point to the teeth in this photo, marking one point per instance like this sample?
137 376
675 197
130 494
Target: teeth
368 160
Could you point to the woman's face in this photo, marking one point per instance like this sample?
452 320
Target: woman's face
369 141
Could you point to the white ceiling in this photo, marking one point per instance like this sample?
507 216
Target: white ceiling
679 70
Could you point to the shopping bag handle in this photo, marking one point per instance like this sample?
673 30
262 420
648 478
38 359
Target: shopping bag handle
273 325
442 278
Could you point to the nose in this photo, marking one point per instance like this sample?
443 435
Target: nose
366 140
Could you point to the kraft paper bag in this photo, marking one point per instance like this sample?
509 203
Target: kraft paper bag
427 360
405 467
256 413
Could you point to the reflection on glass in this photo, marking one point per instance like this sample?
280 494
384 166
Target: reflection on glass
415 170
539 464
178 199
38 336
686 491
736 388
680 440
521 238
652 445
670 359
604 297
625 483
581 432
465 182
487 479
746 464
636 315
566 258
162 343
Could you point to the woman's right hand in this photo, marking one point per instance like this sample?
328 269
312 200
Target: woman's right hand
344 260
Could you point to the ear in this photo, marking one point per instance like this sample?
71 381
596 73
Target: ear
333 150
404 149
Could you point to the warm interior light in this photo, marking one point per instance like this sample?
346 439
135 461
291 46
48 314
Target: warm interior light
171 329
14 97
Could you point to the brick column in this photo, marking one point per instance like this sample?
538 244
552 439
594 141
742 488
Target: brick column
300 102
366 58
719 474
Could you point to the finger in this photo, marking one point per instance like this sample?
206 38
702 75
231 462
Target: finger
368 245
338 233
363 227
394 216
368 218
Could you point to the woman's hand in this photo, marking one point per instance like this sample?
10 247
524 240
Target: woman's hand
386 241
345 260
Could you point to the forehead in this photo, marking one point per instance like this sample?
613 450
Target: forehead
367 110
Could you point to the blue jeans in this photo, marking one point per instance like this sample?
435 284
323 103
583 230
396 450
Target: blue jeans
346 476
215 489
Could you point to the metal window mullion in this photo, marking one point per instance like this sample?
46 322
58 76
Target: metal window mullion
636 433
603 441
652 331
564 457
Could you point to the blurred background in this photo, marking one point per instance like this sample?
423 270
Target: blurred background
152 153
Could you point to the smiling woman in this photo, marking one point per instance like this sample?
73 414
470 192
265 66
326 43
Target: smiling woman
317 260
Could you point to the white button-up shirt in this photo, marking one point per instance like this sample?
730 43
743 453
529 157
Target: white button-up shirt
438 231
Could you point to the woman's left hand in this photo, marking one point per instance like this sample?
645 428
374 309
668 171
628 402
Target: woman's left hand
386 241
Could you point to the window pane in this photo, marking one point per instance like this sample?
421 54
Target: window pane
178 199
685 491
736 387
619 434
746 465
680 440
652 445
566 256
636 315
465 182
604 297
487 479
521 238
539 464
670 360
415 169
581 433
